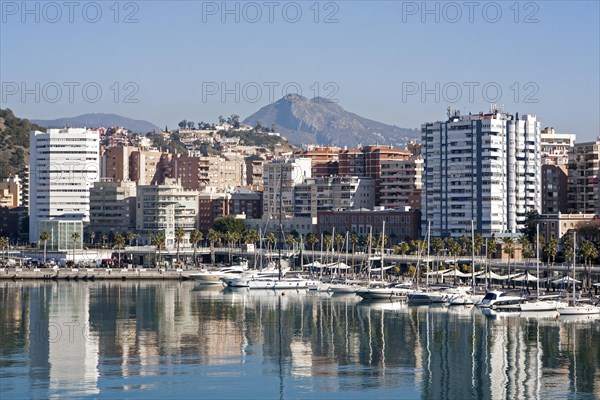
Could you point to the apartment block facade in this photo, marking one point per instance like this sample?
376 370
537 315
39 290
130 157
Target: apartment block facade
64 164
584 178
485 168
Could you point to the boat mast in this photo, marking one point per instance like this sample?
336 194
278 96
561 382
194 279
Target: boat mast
428 242
369 253
382 247
537 257
574 255
280 244
472 257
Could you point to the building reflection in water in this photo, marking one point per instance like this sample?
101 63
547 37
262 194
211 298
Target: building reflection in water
79 336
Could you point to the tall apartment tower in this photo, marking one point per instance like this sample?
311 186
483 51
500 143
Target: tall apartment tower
483 167
64 164
280 178
584 178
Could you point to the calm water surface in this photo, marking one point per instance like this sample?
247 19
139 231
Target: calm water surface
171 340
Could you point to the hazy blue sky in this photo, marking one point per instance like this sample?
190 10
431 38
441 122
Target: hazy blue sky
374 57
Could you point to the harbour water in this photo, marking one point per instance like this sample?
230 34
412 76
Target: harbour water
169 339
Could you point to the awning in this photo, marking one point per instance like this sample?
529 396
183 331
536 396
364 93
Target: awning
566 279
525 278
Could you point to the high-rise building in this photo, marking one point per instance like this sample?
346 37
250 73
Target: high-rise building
333 193
555 147
196 173
163 208
483 168
280 177
64 164
325 161
401 183
584 178
554 188
368 162
112 207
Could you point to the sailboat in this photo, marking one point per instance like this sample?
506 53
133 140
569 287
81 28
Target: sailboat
539 303
381 291
573 308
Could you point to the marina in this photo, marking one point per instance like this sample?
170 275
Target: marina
150 339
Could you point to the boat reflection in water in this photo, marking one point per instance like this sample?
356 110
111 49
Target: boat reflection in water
150 339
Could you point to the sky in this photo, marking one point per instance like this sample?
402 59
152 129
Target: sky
398 62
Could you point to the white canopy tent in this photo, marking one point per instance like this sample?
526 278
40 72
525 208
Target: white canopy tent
565 280
525 278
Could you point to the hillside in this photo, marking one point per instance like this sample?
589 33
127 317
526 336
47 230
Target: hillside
319 121
14 142
95 120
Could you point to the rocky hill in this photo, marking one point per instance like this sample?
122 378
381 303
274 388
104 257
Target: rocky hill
319 121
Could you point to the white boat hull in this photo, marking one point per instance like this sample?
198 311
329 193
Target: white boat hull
534 306
579 310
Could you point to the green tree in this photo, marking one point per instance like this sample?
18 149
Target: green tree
3 243
271 240
179 236
550 249
290 240
158 239
130 237
526 248
509 249
530 225
92 237
229 224
44 237
213 237
312 240
478 243
119 242
354 240
195 237
75 236
589 252
567 244
465 245
104 238
402 249
339 241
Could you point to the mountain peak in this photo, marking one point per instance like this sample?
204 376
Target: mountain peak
323 121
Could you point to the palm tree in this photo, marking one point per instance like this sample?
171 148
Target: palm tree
44 237
271 240
92 237
130 237
478 239
104 239
119 241
3 243
158 239
339 241
526 247
312 240
509 250
195 237
213 237
231 237
567 247
290 240
550 249
75 236
589 252
465 245
353 240
179 235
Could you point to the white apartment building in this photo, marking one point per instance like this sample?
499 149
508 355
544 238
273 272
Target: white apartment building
555 147
163 208
483 167
64 164
332 193
280 177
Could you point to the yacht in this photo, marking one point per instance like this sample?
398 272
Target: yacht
578 309
208 277
549 303
393 292
499 300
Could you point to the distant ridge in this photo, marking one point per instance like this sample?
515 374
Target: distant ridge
320 121
95 120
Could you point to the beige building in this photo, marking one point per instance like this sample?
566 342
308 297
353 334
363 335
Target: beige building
555 147
557 225
142 166
10 192
584 178
197 173
280 178
401 183
112 207
163 208
333 193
